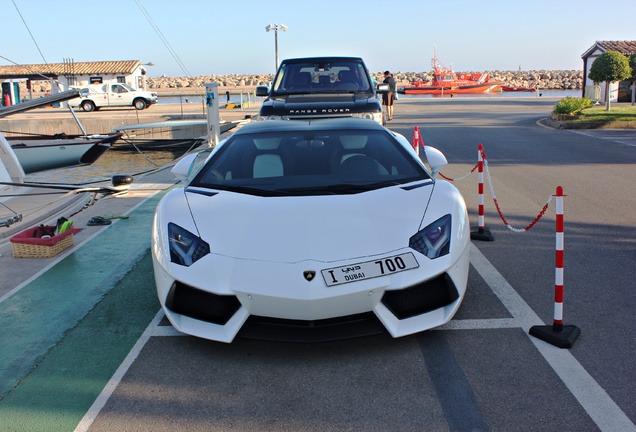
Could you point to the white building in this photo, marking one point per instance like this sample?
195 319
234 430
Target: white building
619 92
63 75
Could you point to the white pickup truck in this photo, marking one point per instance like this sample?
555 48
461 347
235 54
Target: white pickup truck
96 96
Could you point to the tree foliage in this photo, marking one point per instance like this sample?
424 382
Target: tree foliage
611 66
632 64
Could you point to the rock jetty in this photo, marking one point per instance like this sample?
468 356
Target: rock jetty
543 79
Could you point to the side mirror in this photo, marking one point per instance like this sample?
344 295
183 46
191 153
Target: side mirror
262 91
184 167
436 160
382 88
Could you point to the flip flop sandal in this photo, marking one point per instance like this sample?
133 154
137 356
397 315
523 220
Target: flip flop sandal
98 220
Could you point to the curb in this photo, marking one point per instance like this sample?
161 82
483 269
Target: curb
556 124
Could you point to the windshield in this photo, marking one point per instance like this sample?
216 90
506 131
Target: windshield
322 77
127 87
310 163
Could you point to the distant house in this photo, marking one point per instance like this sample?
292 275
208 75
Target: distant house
619 92
131 72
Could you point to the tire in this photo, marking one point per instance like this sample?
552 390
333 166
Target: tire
139 104
88 106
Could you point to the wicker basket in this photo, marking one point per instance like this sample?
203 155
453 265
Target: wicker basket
27 246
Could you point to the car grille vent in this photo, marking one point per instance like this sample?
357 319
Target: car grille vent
421 298
201 191
311 331
194 303
417 185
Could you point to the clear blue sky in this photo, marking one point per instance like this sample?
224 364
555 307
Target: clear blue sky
224 37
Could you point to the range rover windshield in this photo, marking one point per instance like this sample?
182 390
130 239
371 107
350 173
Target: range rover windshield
322 77
309 163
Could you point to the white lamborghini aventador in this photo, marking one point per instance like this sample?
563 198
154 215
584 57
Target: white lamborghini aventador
310 231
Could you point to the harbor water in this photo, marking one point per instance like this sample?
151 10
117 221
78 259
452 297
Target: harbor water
113 162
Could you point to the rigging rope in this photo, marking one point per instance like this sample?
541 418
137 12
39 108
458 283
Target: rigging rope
29 30
163 39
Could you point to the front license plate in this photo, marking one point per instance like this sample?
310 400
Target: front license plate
369 269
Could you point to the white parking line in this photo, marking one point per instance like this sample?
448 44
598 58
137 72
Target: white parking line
166 331
600 407
480 324
628 140
596 402
112 384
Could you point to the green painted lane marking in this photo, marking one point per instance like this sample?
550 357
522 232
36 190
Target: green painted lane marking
36 318
56 395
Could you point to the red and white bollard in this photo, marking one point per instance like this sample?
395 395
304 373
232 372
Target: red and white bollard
482 233
416 140
558 334
558 275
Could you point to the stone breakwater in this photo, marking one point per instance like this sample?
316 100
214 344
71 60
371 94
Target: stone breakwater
544 79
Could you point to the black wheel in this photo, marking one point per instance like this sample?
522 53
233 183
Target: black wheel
88 106
140 104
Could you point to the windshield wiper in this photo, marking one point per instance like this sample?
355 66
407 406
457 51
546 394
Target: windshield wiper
333 189
243 189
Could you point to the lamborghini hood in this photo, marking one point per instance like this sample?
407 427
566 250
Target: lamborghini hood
322 228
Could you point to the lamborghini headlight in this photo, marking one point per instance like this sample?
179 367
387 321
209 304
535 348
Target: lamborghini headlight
185 247
434 240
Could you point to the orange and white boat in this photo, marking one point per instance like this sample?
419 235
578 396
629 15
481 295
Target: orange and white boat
518 89
446 81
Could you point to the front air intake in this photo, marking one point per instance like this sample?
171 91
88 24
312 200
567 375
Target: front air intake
421 298
201 305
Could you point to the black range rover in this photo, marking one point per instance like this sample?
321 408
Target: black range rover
321 87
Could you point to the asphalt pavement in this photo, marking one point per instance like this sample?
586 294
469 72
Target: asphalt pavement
89 349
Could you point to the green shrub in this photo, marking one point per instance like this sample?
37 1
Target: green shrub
571 105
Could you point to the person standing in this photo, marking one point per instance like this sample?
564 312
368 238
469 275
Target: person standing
387 98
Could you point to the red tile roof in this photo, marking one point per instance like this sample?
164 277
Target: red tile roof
624 47
76 68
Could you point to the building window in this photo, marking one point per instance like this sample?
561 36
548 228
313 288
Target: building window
121 79
95 80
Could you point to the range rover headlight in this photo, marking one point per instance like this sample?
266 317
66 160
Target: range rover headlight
375 116
185 247
270 117
434 240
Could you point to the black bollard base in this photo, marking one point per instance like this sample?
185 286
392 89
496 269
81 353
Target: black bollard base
563 338
482 234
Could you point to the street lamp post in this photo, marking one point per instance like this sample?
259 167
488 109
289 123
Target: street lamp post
143 74
276 27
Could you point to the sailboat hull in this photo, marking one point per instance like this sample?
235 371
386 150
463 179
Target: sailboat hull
37 153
